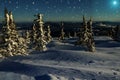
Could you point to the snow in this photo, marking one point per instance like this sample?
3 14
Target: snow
14 76
65 61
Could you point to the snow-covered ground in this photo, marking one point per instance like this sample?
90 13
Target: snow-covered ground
64 61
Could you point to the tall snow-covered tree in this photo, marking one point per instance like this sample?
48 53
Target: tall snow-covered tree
62 34
48 36
27 37
39 34
83 33
90 43
33 34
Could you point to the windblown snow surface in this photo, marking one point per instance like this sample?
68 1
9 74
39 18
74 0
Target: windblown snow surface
65 61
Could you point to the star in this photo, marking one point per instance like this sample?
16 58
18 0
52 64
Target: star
114 2
17 7
79 0
33 2
94 8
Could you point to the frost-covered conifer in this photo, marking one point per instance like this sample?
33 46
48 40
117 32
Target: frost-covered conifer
83 34
90 43
75 34
39 36
48 36
27 37
62 33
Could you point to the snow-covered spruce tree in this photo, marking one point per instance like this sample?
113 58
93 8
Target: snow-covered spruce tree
62 34
12 44
10 36
38 36
83 34
90 43
75 34
33 35
27 37
48 36
21 44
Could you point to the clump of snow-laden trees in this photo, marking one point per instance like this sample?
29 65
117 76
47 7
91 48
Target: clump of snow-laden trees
11 44
86 36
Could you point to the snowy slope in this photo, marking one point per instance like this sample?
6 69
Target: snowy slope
64 61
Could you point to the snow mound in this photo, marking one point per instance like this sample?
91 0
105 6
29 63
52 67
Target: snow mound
53 77
14 76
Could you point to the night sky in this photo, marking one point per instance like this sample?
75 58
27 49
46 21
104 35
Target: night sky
62 10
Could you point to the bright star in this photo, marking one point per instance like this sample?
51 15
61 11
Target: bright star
33 2
114 2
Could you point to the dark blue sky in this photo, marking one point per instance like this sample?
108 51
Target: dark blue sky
62 10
